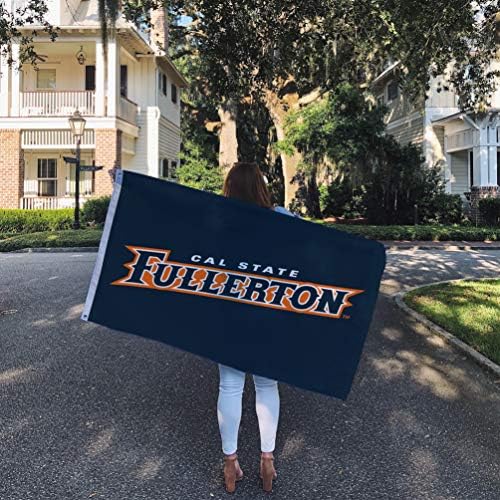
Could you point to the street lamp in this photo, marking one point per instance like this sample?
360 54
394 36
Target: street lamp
77 126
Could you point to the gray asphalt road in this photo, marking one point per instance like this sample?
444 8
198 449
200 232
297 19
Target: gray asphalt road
90 413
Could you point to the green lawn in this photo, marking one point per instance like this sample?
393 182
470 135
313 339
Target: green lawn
468 309
88 237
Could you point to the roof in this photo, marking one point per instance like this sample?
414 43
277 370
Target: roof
386 72
449 118
86 16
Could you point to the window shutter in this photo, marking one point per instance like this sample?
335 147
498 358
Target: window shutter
164 84
89 77
164 168
173 169
123 80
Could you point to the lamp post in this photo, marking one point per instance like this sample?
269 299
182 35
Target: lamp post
77 126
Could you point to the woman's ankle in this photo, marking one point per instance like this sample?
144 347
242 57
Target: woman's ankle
267 454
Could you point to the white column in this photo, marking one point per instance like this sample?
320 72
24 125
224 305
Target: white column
100 80
447 166
153 154
4 86
113 77
481 155
492 161
16 81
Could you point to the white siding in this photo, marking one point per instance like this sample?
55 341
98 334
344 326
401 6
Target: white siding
168 109
443 99
459 172
170 140
145 160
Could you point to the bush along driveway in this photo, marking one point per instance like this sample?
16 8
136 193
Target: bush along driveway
88 237
36 229
421 233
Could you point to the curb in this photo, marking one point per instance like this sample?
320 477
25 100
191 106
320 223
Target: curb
424 246
56 250
471 353
387 246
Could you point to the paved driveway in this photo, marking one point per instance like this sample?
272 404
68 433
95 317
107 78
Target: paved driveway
89 413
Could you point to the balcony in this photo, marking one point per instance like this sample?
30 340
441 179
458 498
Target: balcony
44 103
127 110
57 102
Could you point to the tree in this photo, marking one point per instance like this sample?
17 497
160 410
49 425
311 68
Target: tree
288 53
342 138
11 23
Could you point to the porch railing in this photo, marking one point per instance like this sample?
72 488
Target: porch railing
127 110
57 102
48 202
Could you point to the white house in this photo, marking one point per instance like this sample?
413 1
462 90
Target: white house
130 101
467 149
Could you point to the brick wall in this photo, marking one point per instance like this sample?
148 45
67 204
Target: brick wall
11 168
108 149
477 193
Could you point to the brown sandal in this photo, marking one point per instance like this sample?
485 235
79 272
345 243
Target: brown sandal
267 472
232 472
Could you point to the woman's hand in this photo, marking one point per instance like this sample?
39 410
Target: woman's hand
112 173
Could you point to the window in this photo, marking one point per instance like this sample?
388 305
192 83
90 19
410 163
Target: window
173 90
159 79
173 169
46 79
164 168
47 177
164 83
392 91
89 77
123 80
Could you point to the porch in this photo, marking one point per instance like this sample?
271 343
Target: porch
471 151
70 76
49 181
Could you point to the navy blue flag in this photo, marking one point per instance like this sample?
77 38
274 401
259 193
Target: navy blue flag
245 286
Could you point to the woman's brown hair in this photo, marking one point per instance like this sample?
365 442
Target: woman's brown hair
245 182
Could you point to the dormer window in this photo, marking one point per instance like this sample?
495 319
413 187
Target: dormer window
173 91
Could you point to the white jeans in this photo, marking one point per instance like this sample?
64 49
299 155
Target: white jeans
267 405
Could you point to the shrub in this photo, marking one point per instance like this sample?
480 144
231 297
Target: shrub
94 211
489 208
422 233
88 237
198 172
31 221
445 209
340 199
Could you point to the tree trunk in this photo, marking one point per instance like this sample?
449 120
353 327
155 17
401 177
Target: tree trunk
228 140
278 111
